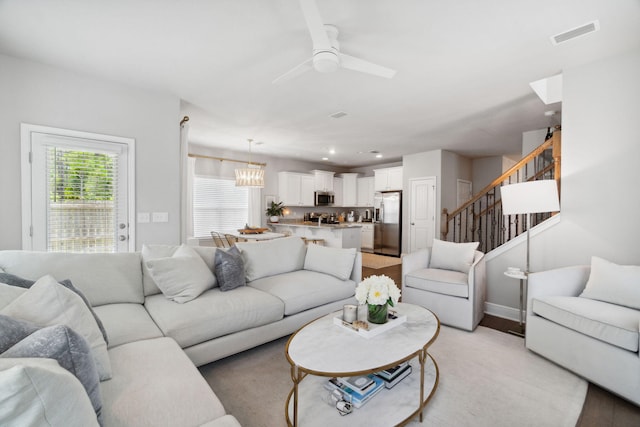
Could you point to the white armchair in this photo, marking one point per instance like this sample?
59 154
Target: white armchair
457 298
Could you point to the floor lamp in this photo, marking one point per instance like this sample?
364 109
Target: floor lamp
528 198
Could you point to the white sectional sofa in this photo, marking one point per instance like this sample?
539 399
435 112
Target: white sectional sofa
583 318
155 344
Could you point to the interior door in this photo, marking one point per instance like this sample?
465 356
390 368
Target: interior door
422 213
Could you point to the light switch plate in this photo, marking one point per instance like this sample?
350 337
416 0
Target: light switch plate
143 217
160 217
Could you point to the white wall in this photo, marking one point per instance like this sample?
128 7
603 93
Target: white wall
42 95
600 155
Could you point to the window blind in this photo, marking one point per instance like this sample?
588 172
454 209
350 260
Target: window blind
218 205
82 198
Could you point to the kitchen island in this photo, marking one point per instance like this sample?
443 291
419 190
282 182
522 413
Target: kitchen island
343 235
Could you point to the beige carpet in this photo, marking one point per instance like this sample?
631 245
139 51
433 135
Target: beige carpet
379 261
487 378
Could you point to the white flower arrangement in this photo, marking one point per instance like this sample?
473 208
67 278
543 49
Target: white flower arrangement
377 290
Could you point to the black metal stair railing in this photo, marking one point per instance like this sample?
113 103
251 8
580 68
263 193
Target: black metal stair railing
481 220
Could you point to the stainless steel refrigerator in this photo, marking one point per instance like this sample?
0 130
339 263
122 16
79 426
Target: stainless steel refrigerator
387 224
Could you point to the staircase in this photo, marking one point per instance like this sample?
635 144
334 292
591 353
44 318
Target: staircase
481 220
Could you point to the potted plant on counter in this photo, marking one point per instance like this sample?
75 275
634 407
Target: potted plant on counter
274 211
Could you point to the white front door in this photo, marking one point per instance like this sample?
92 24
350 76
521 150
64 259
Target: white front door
422 213
77 191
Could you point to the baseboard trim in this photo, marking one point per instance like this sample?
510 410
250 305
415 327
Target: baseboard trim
503 311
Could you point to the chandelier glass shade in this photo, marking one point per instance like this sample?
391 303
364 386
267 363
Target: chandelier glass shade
251 176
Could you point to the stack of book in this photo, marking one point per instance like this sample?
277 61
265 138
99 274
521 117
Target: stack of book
357 390
393 376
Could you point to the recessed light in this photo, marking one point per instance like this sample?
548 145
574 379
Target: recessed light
325 158
332 151
378 156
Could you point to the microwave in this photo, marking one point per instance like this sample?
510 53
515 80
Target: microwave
323 198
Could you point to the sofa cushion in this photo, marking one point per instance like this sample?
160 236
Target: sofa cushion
182 276
14 280
48 303
14 331
155 384
446 282
271 257
213 314
229 269
102 278
150 252
70 350
8 294
138 325
452 256
303 289
38 392
610 323
337 262
617 284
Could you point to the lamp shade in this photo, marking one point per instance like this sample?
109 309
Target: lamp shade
530 197
250 177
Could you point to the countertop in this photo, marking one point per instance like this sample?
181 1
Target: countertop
314 224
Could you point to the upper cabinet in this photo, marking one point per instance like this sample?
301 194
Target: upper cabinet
337 192
296 189
349 189
365 191
323 180
388 179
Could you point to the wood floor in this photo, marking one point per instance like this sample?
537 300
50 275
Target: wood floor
601 408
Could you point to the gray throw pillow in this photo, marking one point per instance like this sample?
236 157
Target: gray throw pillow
229 269
13 280
14 331
72 352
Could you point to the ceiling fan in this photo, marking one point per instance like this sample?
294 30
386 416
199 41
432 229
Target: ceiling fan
326 56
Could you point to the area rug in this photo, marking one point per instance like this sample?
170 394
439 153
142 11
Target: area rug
379 261
487 378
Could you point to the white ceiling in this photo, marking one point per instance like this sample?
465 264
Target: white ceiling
462 82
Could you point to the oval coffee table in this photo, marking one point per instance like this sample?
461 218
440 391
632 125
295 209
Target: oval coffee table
324 349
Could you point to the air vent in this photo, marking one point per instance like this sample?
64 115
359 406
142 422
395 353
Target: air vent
575 32
338 114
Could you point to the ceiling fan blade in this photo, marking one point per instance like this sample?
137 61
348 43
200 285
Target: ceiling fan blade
295 72
357 64
315 25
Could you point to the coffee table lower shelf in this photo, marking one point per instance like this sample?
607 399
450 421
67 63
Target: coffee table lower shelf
391 407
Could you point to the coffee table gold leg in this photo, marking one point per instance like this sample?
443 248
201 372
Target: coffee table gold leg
422 357
295 377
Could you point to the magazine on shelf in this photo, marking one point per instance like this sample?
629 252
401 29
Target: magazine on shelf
397 378
360 384
390 374
356 399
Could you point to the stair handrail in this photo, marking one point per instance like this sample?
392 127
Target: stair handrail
554 143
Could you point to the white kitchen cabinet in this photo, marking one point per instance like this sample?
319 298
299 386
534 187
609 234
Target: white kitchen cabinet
295 189
366 236
323 180
388 179
365 191
349 189
338 195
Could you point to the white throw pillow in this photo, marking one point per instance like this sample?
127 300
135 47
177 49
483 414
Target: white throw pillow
38 392
48 303
334 261
182 277
452 256
617 284
271 257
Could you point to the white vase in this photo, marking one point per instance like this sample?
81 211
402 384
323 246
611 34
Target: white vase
274 218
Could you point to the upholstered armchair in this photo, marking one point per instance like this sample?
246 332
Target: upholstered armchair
450 280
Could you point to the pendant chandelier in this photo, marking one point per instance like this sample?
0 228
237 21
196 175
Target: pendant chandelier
252 175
